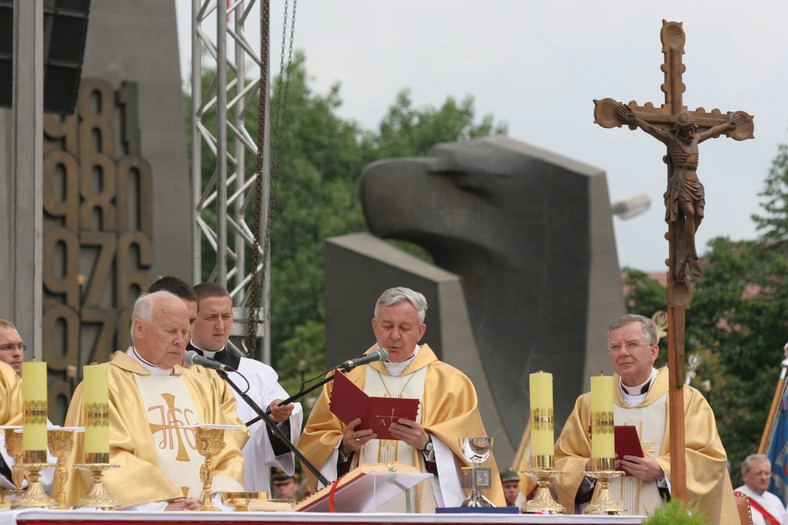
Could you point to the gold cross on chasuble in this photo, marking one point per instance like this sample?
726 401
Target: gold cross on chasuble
171 419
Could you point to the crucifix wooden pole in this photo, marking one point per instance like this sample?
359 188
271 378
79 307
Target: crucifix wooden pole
681 131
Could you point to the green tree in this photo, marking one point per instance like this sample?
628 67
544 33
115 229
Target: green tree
317 197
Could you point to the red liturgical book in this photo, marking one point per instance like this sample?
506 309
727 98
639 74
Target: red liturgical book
349 402
627 441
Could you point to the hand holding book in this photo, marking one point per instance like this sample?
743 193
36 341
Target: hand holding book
349 402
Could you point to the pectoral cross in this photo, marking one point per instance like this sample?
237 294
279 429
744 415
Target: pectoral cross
681 131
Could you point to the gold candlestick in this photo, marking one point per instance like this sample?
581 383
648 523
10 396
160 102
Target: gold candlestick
543 470
34 496
61 442
210 442
97 496
602 501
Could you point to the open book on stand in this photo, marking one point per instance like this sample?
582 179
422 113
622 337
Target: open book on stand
364 488
349 402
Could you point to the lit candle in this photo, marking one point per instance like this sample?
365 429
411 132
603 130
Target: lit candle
34 394
96 404
542 422
602 437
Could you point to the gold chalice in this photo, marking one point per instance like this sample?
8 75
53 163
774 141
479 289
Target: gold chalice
61 442
13 444
14 449
210 442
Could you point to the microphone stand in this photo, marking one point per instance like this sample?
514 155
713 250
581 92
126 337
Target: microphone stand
272 426
298 395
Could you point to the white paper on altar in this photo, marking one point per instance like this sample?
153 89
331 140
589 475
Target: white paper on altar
368 492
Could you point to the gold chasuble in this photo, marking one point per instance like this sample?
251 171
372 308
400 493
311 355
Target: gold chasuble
10 396
448 410
708 482
156 456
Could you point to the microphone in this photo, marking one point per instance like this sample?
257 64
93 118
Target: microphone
193 358
381 354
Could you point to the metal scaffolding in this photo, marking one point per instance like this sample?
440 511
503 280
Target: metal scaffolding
227 75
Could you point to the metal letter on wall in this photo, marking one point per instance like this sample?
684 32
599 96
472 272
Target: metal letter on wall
97 233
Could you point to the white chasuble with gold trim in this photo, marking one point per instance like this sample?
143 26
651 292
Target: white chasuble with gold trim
637 496
402 386
169 408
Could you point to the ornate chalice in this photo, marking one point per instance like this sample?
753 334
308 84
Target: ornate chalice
210 442
13 444
476 450
60 442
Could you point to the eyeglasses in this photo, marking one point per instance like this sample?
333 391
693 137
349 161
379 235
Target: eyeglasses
631 346
10 347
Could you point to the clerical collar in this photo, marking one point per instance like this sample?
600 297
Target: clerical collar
640 389
147 365
206 353
223 355
396 369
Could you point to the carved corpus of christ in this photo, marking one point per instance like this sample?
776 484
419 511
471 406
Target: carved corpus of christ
681 131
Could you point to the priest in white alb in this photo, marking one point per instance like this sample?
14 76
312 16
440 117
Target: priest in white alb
448 409
153 407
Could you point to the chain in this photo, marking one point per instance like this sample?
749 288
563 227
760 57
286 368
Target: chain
253 299
283 85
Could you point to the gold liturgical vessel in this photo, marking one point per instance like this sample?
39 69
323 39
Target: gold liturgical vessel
476 477
210 442
60 442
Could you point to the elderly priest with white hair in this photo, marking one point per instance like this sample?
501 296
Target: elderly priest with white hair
151 399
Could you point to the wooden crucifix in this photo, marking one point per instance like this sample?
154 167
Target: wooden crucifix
681 131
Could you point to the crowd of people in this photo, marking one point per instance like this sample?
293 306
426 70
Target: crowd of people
155 399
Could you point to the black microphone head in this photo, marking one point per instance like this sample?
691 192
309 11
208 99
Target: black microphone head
189 357
384 354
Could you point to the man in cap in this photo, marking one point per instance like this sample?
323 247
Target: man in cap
511 488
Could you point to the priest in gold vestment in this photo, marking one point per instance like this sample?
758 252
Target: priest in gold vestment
10 395
641 399
10 410
448 408
151 400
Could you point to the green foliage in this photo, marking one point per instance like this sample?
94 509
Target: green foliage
316 196
773 224
675 513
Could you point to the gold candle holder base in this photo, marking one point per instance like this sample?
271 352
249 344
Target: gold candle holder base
543 502
602 501
3 503
97 496
34 496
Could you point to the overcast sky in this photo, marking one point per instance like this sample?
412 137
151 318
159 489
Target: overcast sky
538 66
